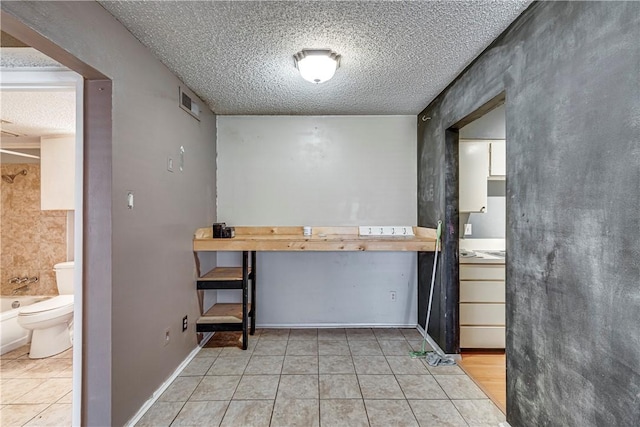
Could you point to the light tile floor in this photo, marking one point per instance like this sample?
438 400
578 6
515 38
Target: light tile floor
321 377
35 392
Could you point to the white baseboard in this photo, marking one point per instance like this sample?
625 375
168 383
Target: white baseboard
15 344
435 345
334 325
144 408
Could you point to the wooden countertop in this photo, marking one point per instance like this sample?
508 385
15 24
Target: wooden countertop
322 239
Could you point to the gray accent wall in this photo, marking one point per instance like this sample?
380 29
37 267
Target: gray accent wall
569 72
152 266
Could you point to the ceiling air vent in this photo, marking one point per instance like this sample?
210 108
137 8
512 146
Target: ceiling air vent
188 104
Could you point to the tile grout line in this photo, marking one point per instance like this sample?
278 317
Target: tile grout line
358 381
275 398
36 415
403 393
194 389
319 394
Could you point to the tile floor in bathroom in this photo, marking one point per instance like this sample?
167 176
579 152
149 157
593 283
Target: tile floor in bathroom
35 392
325 377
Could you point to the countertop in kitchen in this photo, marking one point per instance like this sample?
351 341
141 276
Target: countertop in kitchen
480 257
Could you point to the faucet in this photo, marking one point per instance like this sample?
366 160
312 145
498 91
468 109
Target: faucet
20 288
26 280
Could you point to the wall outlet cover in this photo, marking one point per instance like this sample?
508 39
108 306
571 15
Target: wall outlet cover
378 230
167 336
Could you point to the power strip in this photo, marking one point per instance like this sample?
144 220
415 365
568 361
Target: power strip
377 230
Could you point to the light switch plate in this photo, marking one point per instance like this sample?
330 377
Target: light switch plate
467 230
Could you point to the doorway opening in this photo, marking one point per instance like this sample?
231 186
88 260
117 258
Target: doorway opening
91 367
41 156
480 274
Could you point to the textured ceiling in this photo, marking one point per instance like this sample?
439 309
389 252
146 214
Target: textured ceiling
25 57
43 113
237 56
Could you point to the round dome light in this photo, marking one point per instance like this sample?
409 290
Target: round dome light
317 65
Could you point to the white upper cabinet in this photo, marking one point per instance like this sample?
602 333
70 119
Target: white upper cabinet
474 172
498 161
57 173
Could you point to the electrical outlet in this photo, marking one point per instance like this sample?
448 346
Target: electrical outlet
184 323
402 231
169 164
396 231
167 336
392 296
467 230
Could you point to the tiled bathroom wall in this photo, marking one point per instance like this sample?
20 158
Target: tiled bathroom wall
31 240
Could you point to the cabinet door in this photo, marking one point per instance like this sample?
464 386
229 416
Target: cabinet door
474 171
494 272
498 158
57 173
482 337
482 314
481 291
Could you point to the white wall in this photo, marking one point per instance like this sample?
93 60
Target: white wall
338 170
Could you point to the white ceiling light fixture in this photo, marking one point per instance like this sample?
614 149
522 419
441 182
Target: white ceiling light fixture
317 65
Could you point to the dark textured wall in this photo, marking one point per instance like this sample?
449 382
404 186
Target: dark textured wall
571 76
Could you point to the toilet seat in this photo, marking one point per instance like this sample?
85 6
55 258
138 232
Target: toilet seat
47 309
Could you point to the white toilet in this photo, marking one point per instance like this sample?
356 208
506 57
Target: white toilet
51 319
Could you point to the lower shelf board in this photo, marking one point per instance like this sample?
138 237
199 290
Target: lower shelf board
223 313
224 274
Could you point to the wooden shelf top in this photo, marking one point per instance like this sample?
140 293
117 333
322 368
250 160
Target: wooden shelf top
322 239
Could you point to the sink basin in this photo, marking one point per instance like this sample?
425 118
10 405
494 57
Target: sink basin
500 254
467 254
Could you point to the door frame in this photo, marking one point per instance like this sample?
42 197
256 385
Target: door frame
451 239
92 335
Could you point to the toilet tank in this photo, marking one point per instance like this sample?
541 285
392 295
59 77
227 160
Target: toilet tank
64 277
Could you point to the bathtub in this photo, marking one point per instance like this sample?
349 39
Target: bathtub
13 335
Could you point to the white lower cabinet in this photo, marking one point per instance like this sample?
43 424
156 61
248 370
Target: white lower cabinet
482 314
482 306
482 337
